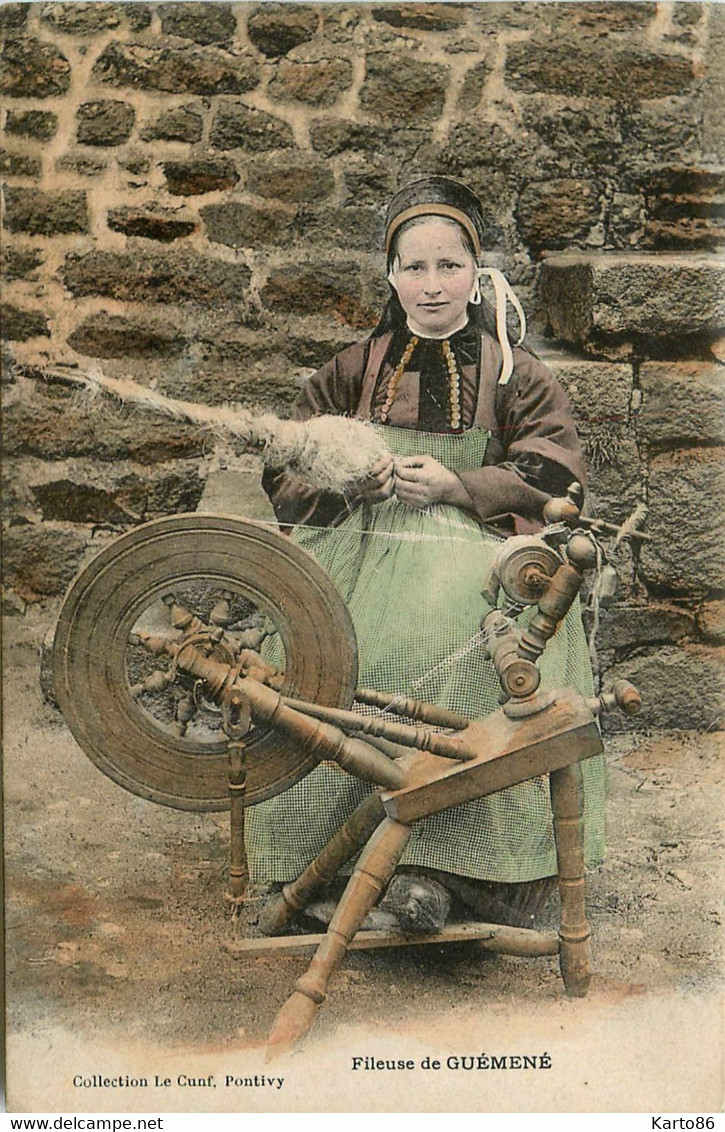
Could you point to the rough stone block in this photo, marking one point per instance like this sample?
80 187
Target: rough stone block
182 123
91 18
594 18
33 69
193 178
20 263
670 182
263 384
627 73
685 207
18 324
18 164
238 490
558 212
713 90
237 126
683 403
626 627
582 19
368 182
578 136
291 181
312 348
323 288
12 605
178 70
13 18
399 88
687 15
625 221
680 688
331 136
50 424
39 124
82 492
221 341
339 21
137 164
204 23
44 214
711 620
657 132
317 83
8 372
114 336
692 232
276 28
427 17
40 561
687 554
476 149
86 164
599 392
107 122
177 277
616 472
242 225
597 301
361 228
151 224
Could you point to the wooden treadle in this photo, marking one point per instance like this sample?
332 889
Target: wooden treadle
491 937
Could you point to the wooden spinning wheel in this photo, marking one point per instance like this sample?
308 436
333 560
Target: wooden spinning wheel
281 713
145 569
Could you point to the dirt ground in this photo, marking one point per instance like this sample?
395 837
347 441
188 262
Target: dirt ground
116 923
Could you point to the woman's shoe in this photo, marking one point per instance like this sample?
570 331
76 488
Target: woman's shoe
419 904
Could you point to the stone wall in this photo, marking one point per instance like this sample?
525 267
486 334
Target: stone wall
193 194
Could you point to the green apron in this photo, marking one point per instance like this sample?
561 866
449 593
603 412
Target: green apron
412 581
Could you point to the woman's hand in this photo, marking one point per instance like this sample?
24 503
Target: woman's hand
421 480
378 484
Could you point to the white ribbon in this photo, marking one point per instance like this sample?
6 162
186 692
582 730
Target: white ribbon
504 292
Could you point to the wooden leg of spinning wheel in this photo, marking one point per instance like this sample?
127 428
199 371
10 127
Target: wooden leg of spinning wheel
350 838
575 958
238 870
374 870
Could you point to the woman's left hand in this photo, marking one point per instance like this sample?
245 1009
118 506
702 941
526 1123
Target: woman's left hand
421 481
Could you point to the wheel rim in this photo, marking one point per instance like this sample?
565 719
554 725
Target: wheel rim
107 599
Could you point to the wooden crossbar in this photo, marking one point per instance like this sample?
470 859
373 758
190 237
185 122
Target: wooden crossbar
492 937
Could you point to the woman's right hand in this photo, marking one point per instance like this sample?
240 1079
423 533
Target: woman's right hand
378 483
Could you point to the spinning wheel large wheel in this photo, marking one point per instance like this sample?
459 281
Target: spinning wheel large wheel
128 582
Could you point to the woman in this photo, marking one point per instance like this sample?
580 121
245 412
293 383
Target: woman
480 437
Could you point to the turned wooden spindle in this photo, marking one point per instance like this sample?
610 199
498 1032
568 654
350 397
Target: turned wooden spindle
238 868
412 709
372 873
447 746
575 960
322 740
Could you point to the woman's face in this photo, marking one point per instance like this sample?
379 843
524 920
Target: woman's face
434 274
